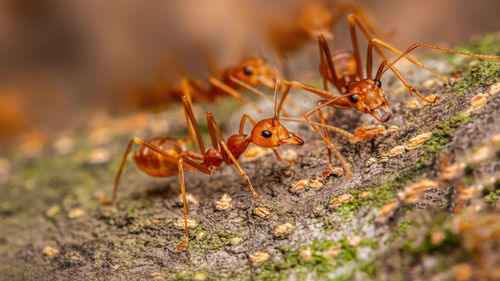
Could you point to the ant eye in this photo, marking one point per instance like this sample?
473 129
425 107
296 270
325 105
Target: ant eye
266 134
379 84
247 71
353 99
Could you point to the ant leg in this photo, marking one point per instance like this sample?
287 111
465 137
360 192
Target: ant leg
334 99
183 191
242 122
222 86
331 147
410 87
103 198
322 68
212 126
323 47
376 42
286 162
327 139
192 124
367 32
327 134
416 45
356 11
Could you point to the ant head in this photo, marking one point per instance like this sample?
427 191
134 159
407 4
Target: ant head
315 18
367 96
271 133
256 71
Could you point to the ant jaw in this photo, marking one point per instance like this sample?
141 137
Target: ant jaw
293 139
383 113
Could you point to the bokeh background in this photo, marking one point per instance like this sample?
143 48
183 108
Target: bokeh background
65 62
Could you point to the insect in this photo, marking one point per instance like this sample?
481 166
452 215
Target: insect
168 156
357 91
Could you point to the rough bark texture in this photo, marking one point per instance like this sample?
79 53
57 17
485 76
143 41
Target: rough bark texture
451 231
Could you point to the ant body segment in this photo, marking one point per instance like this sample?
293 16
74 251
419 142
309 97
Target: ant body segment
168 156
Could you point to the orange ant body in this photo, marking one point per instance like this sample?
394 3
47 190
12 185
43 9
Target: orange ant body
167 156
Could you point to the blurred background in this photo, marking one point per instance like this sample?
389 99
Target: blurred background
65 64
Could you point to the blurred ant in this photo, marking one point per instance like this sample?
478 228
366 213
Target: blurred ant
168 156
252 71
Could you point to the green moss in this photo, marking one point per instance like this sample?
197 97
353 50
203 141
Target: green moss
440 138
483 73
493 197
319 266
403 227
425 246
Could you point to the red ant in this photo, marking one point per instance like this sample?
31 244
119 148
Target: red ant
357 91
168 156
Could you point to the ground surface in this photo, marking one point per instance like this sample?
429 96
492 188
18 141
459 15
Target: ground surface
365 228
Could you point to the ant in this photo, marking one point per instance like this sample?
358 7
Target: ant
168 156
363 93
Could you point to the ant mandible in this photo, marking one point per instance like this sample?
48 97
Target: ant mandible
168 156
